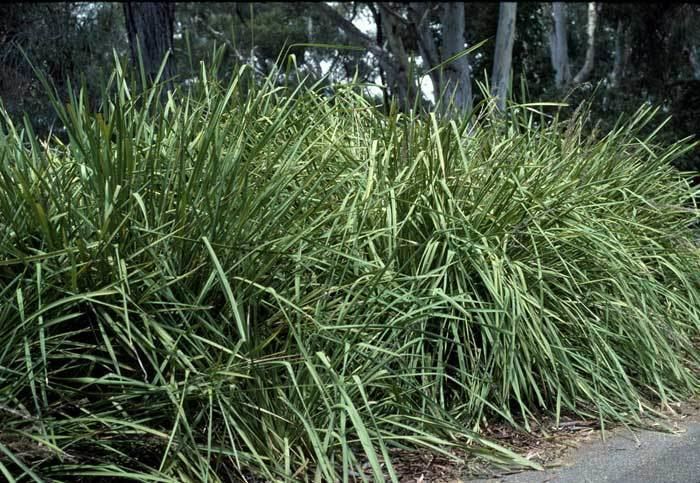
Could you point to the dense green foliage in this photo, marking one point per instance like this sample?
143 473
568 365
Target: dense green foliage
249 279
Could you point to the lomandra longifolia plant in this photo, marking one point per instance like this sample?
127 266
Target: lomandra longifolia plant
249 279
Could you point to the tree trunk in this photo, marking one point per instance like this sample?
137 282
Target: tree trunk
694 62
455 83
619 56
386 63
311 60
150 26
401 79
380 40
419 14
558 45
503 56
590 48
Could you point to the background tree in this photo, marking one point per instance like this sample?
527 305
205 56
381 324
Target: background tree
402 77
149 26
434 34
637 55
456 80
621 53
587 67
504 52
559 46
68 41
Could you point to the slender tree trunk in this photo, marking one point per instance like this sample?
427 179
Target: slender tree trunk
619 57
401 79
455 81
590 48
150 26
694 62
380 40
504 52
378 49
419 14
558 45
312 60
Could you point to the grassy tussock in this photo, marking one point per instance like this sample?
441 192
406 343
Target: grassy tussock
261 280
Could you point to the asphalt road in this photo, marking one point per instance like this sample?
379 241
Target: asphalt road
650 458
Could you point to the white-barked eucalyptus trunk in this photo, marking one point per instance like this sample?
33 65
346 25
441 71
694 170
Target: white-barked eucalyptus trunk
503 56
455 82
587 67
558 45
619 56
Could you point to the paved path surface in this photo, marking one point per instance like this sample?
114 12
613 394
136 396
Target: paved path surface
650 458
